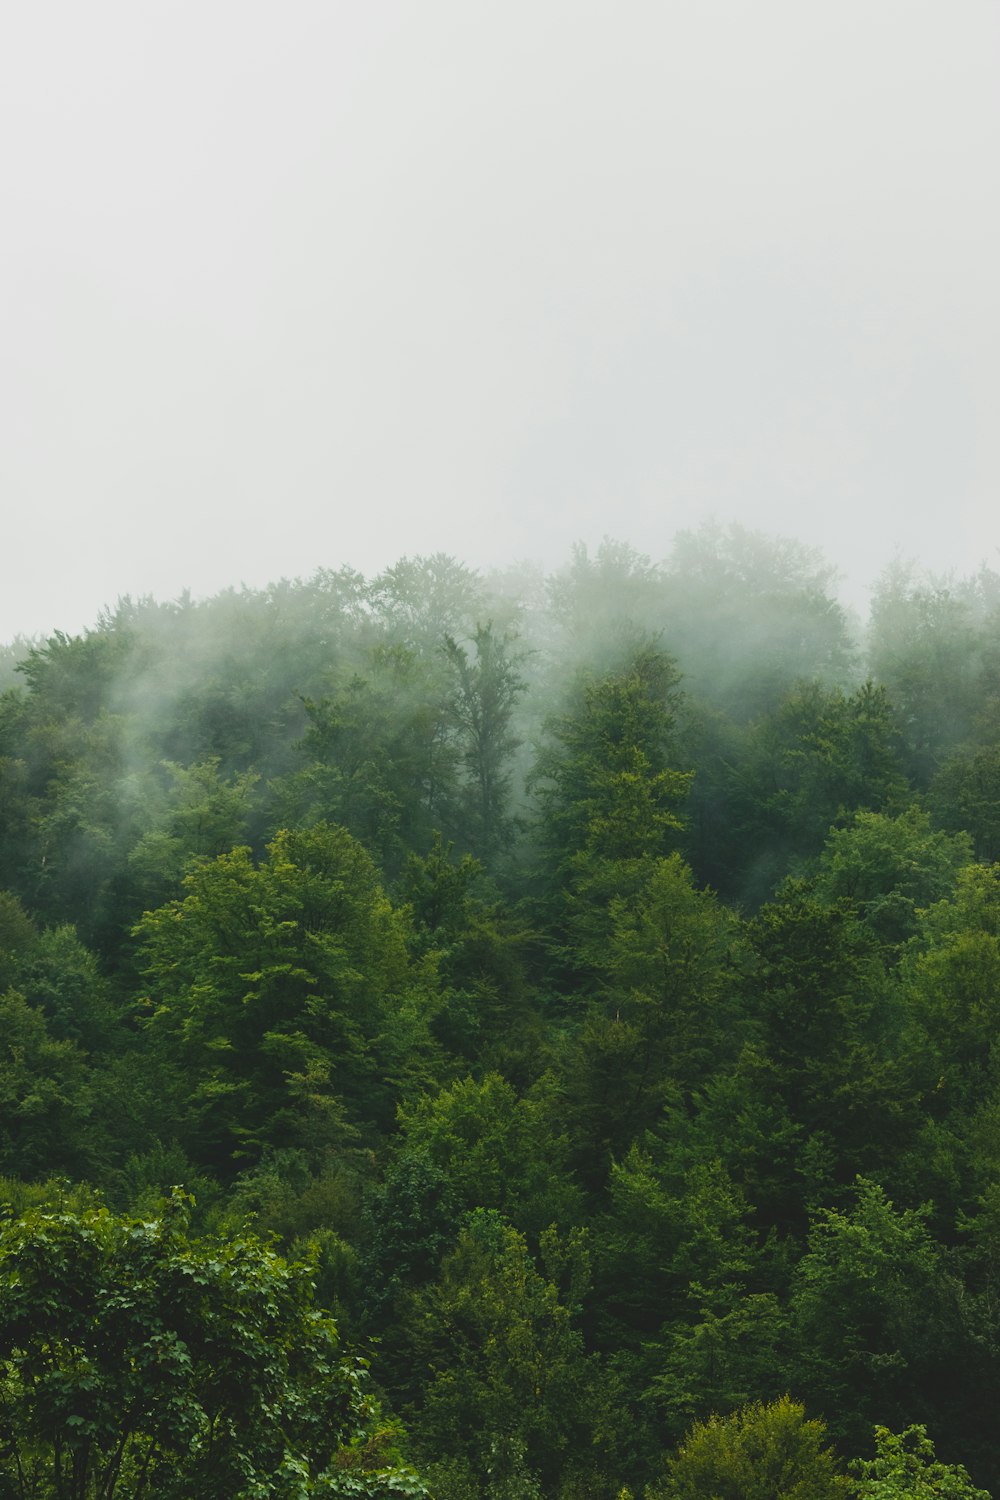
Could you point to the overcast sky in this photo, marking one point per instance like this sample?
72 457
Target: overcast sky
329 281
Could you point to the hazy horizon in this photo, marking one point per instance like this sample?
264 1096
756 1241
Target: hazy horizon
337 284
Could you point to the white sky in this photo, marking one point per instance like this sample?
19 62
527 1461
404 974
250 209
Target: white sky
329 281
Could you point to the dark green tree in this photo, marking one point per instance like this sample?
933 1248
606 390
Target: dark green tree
662 1015
889 868
877 1317
46 1096
964 796
818 757
283 997
378 758
478 945
951 979
832 1029
609 798
498 1149
502 1382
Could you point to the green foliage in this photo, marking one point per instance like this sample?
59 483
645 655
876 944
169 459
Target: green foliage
874 1308
410 1220
829 1023
904 1468
600 605
890 867
45 1096
762 1452
137 1361
378 758
927 644
18 933
481 705
819 757
284 995
499 1150
668 970
609 796
504 1382
951 976
63 979
420 600
478 948
201 814
749 615
410 1088
673 1247
965 796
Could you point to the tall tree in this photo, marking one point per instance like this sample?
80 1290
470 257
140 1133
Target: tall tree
485 691
284 995
609 797
926 644
500 1379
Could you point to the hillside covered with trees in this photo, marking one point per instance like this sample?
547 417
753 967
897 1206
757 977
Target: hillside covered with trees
593 979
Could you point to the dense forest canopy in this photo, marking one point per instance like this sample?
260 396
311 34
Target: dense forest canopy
594 979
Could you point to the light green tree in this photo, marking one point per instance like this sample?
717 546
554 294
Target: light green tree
904 1468
761 1452
136 1361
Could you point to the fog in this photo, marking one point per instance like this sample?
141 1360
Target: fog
329 283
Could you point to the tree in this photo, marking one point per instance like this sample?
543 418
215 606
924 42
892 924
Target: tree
878 1316
662 1015
819 756
484 694
762 1452
46 1095
965 795
201 815
282 996
137 1361
668 970
458 923
605 601
499 1150
926 646
609 797
421 599
952 980
825 1005
904 1468
497 1371
670 1238
889 868
378 758
749 615
60 976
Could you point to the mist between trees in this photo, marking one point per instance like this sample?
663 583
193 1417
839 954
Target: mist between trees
588 983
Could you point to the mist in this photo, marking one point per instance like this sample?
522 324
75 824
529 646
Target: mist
340 284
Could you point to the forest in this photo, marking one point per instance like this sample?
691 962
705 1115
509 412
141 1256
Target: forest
523 1034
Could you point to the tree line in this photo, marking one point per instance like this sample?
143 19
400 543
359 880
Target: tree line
582 989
